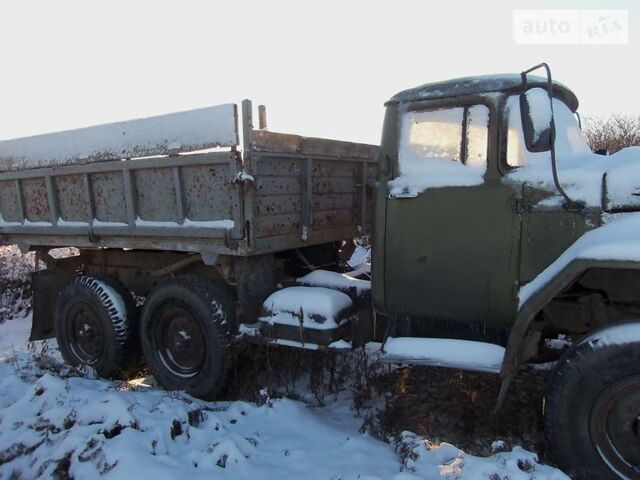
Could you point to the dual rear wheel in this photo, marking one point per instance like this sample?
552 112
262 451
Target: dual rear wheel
183 331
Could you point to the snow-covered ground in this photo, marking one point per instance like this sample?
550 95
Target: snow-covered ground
55 421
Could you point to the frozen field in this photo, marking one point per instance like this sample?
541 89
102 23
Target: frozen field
60 423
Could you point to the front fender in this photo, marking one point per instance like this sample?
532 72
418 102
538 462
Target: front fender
539 295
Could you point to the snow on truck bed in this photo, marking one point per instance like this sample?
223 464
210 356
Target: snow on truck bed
182 131
57 423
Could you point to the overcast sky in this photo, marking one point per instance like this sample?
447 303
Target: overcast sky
322 68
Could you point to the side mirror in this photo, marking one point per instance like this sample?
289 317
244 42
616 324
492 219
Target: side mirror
537 119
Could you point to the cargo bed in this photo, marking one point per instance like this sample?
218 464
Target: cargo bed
269 192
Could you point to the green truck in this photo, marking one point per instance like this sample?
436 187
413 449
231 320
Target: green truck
496 235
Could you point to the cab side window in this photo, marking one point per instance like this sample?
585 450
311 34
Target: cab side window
440 148
433 134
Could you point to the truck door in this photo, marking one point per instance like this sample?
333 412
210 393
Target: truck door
548 228
450 241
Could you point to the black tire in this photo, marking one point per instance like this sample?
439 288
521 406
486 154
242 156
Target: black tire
592 406
96 324
185 330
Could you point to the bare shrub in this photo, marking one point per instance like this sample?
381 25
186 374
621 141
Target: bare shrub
613 133
15 282
15 278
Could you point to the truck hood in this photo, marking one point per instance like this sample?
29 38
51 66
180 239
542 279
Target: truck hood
621 183
610 182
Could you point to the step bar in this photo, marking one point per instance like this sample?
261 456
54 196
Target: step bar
443 352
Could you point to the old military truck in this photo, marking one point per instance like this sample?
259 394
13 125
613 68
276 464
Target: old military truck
496 233
494 222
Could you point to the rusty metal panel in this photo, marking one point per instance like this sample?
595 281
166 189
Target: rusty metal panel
325 185
278 166
273 225
10 209
308 186
278 185
36 200
108 196
161 135
155 195
336 168
207 192
72 198
290 223
265 141
328 219
335 201
277 204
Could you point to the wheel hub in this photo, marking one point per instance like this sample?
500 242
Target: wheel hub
181 342
86 335
615 427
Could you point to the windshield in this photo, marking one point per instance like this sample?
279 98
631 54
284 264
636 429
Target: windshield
570 141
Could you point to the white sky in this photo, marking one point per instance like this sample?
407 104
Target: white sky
322 68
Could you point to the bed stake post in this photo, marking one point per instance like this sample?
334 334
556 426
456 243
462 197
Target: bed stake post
262 117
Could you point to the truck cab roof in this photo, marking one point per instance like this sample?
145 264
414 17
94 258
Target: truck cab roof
479 85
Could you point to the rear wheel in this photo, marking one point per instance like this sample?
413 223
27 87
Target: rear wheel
96 325
185 331
592 406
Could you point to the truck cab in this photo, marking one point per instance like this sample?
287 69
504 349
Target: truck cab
466 213
495 223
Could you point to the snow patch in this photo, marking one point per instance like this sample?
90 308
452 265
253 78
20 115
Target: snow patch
15 336
616 335
340 345
539 110
360 256
316 307
427 461
340 281
444 352
225 224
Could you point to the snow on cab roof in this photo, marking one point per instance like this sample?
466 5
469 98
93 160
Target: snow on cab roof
479 84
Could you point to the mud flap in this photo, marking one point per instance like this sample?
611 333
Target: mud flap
46 286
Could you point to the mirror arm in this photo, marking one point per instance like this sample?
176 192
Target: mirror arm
569 204
579 119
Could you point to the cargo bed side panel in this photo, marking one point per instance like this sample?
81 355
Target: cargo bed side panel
181 197
309 190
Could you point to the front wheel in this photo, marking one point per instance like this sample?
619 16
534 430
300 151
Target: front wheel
592 406
185 330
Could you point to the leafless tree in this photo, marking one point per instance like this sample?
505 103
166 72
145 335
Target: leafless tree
613 133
